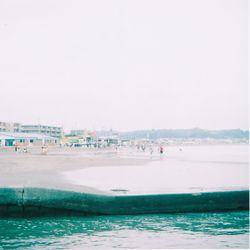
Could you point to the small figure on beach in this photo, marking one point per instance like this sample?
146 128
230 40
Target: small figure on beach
151 149
161 149
44 150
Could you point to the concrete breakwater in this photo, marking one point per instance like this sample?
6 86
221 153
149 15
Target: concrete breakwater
32 201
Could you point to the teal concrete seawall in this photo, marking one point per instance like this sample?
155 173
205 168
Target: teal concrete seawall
41 201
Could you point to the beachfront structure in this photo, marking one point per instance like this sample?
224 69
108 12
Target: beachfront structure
52 131
106 141
35 129
84 138
109 138
10 127
78 132
6 140
26 139
80 138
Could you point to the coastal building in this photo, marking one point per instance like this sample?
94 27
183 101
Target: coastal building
107 141
80 138
10 127
52 131
26 139
108 138
78 132
6 140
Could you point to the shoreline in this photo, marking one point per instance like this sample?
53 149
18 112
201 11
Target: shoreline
42 177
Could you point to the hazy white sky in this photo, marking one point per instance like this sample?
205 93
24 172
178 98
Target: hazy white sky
125 64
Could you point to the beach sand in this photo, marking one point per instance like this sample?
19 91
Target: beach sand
35 169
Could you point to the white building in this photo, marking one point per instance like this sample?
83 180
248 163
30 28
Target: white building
26 139
10 127
43 129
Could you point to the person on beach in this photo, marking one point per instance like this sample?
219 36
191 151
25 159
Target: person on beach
161 149
151 149
44 150
25 150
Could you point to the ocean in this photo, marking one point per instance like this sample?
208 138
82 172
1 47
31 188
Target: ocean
190 230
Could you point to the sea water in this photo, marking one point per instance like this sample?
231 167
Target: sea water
190 230
180 230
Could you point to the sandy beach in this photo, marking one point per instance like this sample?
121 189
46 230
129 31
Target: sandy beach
35 169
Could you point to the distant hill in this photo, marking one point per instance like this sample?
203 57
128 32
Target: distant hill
194 133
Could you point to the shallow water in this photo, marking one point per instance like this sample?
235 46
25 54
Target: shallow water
193 230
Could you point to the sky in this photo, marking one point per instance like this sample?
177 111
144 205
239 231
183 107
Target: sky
125 65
